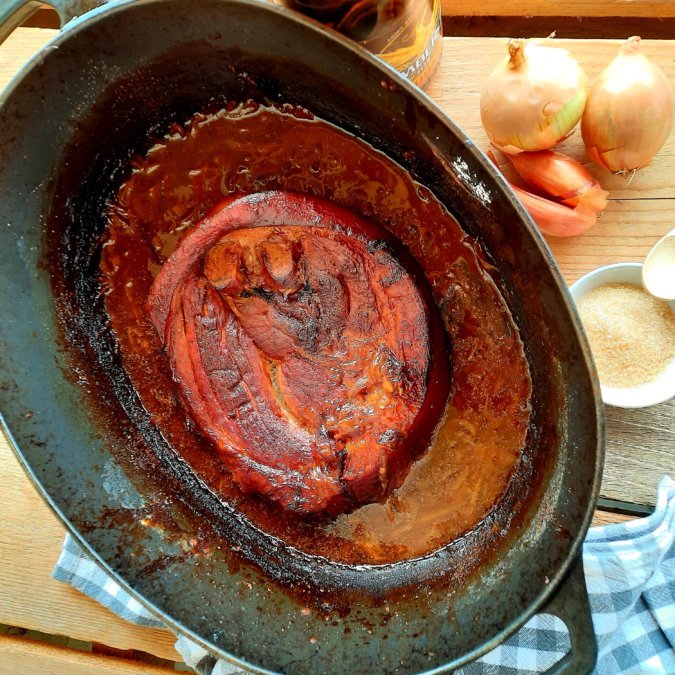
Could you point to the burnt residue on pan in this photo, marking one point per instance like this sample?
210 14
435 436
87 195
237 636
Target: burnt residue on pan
115 220
453 489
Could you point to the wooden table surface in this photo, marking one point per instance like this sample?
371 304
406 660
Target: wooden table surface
640 443
575 8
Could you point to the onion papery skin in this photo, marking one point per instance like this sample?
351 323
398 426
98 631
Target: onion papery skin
629 113
533 98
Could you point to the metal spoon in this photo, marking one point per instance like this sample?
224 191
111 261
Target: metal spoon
658 270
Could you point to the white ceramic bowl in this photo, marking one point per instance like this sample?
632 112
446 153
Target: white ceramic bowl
645 395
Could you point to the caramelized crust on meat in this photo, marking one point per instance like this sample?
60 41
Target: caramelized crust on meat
302 349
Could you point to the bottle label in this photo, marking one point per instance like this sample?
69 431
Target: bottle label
420 69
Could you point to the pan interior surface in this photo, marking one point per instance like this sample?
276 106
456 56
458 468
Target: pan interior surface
92 447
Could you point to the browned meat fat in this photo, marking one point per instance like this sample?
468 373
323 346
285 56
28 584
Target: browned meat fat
302 349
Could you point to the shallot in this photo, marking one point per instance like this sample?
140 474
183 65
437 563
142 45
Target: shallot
562 177
556 220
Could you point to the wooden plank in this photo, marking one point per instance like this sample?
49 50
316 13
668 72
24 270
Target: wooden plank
618 27
568 27
576 8
640 450
18 48
18 656
659 9
601 518
30 543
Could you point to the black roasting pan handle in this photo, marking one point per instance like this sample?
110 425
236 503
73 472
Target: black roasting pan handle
14 12
570 603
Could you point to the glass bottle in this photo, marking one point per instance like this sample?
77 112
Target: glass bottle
405 33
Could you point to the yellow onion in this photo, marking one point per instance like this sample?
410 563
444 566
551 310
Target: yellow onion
533 98
629 112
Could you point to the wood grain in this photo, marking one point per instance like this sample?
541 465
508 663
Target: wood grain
603 8
601 518
30 543
568 27
580 26
577 8
27 657
19 47
625 233
640 450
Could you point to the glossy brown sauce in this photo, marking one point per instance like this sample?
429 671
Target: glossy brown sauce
248 148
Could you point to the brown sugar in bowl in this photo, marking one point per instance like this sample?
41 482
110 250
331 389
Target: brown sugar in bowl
632 340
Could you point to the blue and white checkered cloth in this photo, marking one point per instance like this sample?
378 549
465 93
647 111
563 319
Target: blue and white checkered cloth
630 575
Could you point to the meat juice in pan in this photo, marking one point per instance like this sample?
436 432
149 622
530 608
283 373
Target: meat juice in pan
464 466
